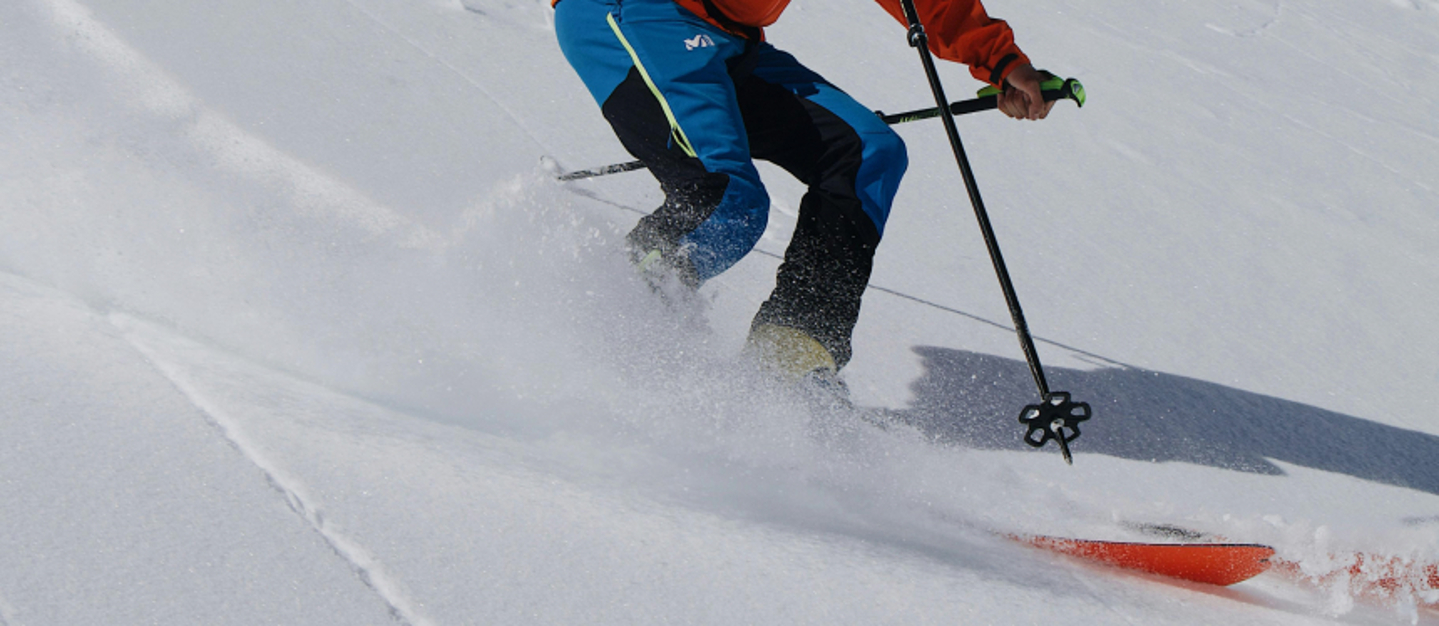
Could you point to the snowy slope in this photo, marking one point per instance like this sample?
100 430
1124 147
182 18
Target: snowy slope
298 331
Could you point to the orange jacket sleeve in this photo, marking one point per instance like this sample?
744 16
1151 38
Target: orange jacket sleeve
961 31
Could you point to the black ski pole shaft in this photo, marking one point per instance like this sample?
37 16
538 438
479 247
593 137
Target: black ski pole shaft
601 171
1055 416
975 105
1066 90
918 39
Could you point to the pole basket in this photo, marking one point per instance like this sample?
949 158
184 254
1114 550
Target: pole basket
1056 418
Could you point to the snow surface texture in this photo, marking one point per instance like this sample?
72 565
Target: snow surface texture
297 331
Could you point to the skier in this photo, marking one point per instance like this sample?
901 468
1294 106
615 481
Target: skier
693 90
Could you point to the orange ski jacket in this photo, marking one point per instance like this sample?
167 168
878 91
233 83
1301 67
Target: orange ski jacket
958 30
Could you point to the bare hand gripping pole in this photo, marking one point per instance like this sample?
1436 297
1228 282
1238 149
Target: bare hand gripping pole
1055 416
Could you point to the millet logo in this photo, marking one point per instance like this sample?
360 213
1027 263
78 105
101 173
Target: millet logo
699 41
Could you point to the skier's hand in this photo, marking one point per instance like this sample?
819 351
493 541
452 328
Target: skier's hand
1021 98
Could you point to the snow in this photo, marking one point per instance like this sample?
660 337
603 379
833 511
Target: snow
299 331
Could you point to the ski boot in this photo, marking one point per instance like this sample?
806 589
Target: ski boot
663 266
799 362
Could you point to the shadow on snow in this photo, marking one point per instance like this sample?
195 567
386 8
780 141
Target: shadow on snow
975 399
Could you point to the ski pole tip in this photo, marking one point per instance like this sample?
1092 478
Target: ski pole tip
1064 449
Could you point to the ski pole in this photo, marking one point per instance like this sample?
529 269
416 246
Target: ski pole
1053 89
1055 412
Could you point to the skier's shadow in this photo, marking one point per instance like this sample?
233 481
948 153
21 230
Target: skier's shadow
975 399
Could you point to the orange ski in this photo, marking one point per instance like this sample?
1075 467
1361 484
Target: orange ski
1211 563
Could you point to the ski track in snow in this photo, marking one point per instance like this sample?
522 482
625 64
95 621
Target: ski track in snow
233 147
451 67
370 571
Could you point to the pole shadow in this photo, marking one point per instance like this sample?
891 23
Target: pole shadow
975 399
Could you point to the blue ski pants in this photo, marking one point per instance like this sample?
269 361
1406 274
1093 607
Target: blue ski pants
697 104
